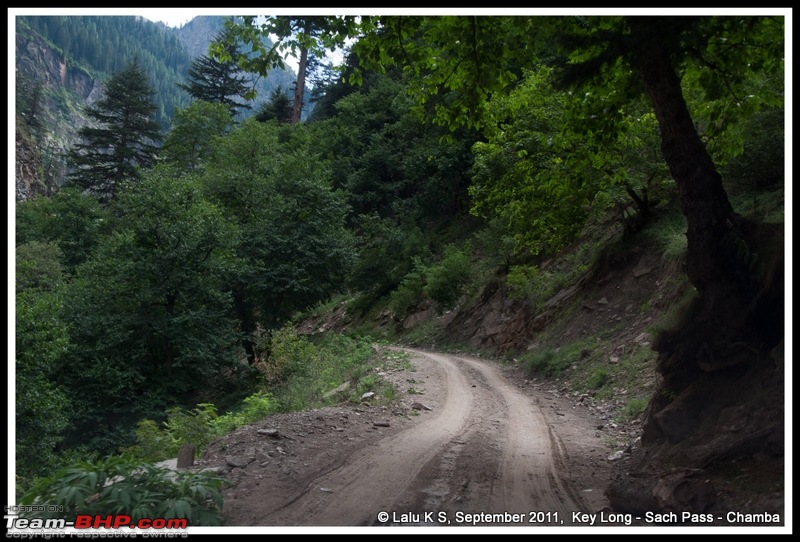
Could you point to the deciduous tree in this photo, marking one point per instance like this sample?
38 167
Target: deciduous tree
613 59
149 311
293 249
190 139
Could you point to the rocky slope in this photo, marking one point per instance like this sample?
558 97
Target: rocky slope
63 90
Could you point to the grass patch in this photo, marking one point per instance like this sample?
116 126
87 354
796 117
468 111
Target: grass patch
633 408
599 367
598 379
553 361
323 308
397 360
301 371
426 334
384 392
669 234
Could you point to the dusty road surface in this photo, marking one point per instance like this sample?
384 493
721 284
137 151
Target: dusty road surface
479 448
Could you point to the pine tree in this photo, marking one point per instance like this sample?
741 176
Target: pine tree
216 81
279 108
125 140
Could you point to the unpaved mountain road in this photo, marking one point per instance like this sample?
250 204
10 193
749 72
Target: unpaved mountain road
491 451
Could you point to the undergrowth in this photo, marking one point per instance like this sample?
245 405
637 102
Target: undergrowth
300 373
124 485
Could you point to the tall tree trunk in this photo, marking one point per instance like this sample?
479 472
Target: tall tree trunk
724 354
703 199
727 254
734 263
299 88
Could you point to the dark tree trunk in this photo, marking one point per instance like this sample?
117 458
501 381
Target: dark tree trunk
727 255
724 354
245 315
703 199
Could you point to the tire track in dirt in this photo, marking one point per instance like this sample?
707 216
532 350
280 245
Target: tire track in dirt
528 480
373 478
485 448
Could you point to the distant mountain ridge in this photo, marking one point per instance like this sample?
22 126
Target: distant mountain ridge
198 33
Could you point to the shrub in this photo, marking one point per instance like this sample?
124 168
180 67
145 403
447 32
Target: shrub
196 426
122 485
598 379
669 234
526 282
547 362
446 279
256 407
153 443
409 293
290 356
634 407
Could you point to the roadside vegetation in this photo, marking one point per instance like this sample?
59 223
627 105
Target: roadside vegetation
159 298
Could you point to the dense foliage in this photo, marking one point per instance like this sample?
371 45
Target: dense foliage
136 317
121 485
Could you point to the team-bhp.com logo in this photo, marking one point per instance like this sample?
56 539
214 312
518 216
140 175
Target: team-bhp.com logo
88 521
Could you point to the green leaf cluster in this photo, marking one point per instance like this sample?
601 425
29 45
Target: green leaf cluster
192 134
148 313
442 282
302 370
42 339
71 220
122 485
198 427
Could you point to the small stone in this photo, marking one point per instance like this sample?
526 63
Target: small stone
616 456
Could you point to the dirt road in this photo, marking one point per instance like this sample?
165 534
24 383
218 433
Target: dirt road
484 450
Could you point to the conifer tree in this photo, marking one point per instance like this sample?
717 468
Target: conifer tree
279 108
125 139
217 81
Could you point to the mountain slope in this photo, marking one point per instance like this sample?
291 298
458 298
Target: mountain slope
63 61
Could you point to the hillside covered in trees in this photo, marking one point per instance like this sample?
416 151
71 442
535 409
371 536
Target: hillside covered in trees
64 61
441 172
